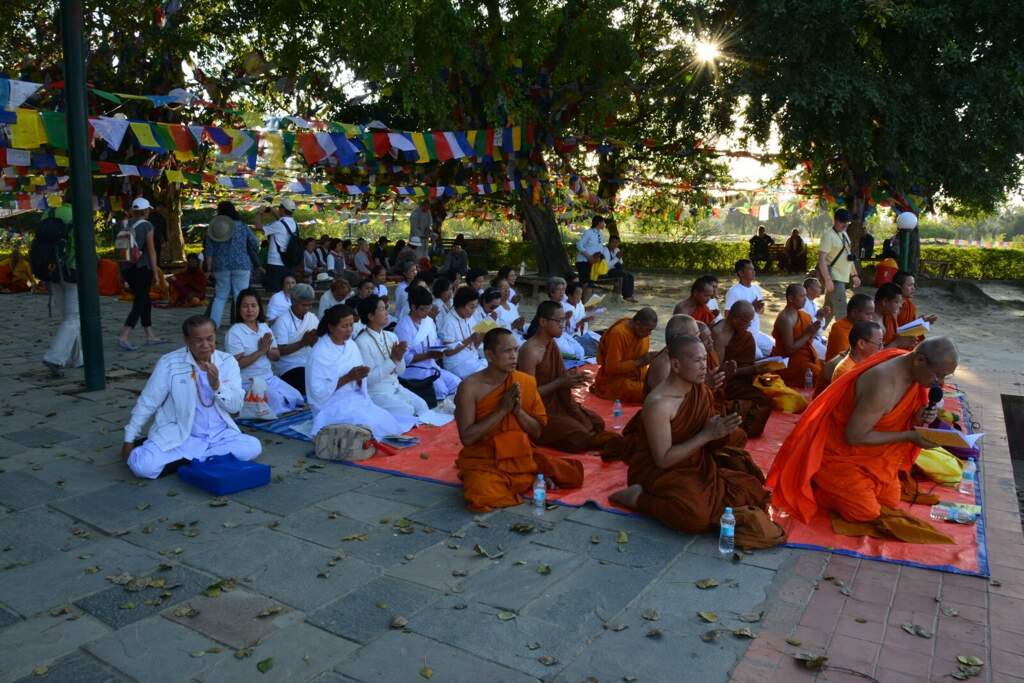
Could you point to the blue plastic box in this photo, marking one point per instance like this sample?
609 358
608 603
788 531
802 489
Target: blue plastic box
224 474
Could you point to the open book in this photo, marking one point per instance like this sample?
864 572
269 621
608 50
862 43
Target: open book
594 301
485 326
772 363
949 437
915 328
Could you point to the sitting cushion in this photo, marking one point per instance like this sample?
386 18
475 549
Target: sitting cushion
224 474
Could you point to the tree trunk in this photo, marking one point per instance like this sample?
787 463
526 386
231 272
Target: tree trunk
175 246
543 231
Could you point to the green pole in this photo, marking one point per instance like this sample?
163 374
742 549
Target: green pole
81 193
905 250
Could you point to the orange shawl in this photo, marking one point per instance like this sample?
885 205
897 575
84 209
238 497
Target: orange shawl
570 427
889 325
617 375
802 359
838 338
703 314
821 435
908 312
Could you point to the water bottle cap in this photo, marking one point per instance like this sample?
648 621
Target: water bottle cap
971 458
728 511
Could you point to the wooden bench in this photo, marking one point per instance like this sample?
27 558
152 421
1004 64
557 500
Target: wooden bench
532 283
476 249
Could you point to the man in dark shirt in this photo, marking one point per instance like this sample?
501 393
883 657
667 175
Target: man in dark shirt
760 245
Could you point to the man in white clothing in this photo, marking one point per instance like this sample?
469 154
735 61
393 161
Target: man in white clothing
295 332
339 293
746 290
421 225
384 354
813 289
190 395
278 233
588 247
66 348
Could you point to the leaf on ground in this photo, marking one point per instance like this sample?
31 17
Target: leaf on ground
482 552
744 633
127 605
63 609
265 665
811 661
533 646
381 605
709 636
403 523
424 456
654 633
356 537
270 611
909 628
522 527
595 539
970 660
846 591
91 570
751 617
460 572
705 584
218 502
737 557
460 606
860 620
243 653
709 617
426 672
922 632
543 569
172 493
951 611
650 614
198 653
547 660
215 650
629 679
399 622
506 616
323 574
622 537
186 611
615 626
142 506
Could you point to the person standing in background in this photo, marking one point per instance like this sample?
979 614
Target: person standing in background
231 250
420 226
140 277
836 262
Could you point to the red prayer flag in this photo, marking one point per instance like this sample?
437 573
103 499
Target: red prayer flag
441 146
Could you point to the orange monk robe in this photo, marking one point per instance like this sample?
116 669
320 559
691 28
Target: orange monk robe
889 326
691 495
188 288
741 396
109 275
908 312
838 338
844 367
501 466
802 359
17 278
570 426
160 291
816 467
618 377
704 314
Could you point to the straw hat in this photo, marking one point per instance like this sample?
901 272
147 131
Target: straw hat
220 229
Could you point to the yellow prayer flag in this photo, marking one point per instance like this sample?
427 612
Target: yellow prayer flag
252 119
27 132
61 161
275 149
144 134
517 138
184 155
253 182
54 200
319 188
421 147
174 176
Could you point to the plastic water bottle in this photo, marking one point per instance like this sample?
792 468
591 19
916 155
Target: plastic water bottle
939 513
967 481
617 415
808 379
727 533
540 495
950 513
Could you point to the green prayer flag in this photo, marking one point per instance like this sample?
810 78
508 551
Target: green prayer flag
163 135
106 95
56 129
288 138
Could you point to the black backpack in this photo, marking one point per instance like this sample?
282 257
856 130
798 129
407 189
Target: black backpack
291 257
52 252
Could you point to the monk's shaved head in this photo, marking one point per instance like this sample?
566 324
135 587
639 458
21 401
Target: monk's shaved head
794 291
680 325
494 337
682 347
860 303
742 306
646 316
887 292
938 351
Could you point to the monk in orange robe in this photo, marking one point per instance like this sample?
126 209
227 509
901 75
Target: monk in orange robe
15 273
109 275
865 340
859 307
736 346
794 334
680 471
677 326
888 301
188 288
696 305
623 358
499 414
846 453
570 427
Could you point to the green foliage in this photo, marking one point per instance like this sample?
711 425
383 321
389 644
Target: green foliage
975 263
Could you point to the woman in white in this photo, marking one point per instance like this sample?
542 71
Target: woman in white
566 343
424 349
385 356
443 306
295 332
340 291
508 312
336 381
252 344
281 301
463 357
409 274
509 275
577 320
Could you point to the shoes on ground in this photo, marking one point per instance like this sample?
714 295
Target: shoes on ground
56 371
125 346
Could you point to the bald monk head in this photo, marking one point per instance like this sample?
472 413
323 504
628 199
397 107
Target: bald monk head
550 319
888 299
680 325
702 290
689 359
796 296
933 360
741 315
860 307
865 339
644 322
500 350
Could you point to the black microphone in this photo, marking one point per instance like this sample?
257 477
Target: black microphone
934 396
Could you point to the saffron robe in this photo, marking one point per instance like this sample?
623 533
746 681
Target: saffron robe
501 466
17 277
617 376
704 314
844 367
889 326
691 495
186 286
838 338
816 467
802 359
908 312
741 396
109 276
570 426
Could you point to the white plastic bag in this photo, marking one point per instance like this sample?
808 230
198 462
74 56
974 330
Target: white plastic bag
256 405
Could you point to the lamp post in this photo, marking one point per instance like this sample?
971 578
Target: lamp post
906 222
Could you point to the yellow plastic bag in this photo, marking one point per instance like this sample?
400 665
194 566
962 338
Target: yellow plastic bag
940 466
786 399
599 268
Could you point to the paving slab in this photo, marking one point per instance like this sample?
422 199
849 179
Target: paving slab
294 492
449 517
66 577
120 507
233 617
77 667
767 558
156 650
7 618
199 528
39 436
399 656
633 524
74 476
444 565
298 653
413 491
42 640
286 568
640 550
20 490
515 581
367 613
117 606
368 509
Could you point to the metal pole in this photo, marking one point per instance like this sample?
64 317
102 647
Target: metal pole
81 193
905 250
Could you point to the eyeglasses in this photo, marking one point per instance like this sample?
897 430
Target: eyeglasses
556 320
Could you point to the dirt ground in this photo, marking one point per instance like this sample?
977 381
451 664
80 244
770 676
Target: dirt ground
985 319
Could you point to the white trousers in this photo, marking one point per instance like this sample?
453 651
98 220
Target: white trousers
281 396
765 344
446 385
398 400
348 407
570 347
819 347
465 368
148 460
66 348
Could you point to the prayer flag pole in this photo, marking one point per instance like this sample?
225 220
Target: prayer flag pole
81 193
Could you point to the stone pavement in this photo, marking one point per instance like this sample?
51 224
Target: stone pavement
333 573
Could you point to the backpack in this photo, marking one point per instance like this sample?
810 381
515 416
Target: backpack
125 244
292 255
52 252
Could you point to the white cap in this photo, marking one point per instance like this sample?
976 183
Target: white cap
141 204
287 204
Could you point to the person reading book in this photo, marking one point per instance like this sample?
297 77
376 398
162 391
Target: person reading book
865 340
908 310
794 334
888 300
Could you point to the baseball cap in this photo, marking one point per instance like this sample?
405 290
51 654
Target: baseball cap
842 215
141 204
287 204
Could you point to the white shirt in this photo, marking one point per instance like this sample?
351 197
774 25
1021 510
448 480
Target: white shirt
277 306
419 339
456 329
443 311
277 235
613 259
362 263
401 300
576 314
740 293
375 348
335 264
327 363
207 423
170 398
287 330
589 243
381 290
242 339
507 316
326 301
